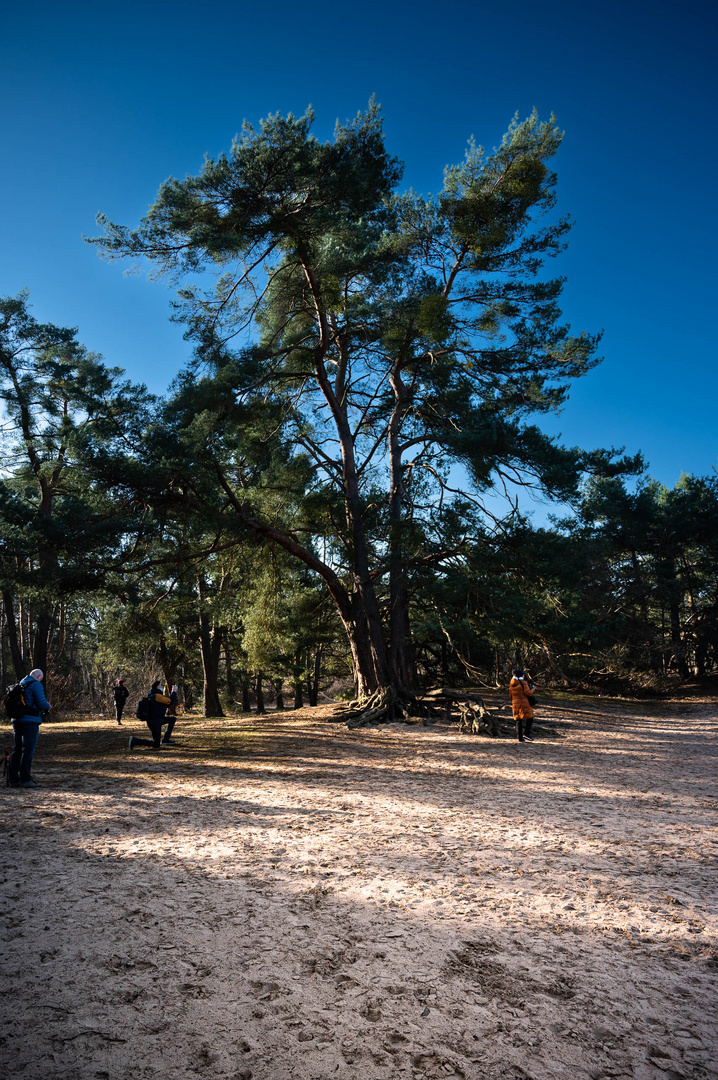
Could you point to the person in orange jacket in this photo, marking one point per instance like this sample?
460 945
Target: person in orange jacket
521 690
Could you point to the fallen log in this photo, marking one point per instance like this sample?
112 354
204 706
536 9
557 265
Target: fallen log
441 694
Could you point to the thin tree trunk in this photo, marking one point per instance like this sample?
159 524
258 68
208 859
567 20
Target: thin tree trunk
41 637
402 654
673 594
61 632
229 669
212 704
188 692
22 626
169 668
2 647
12 635
210 657
279 693
47 565
260 694
298 688
679 650
314 679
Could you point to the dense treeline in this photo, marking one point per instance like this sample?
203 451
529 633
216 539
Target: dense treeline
314 503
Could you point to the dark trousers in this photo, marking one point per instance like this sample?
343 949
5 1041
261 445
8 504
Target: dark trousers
171 721
524 726
26 734
119 706
155 727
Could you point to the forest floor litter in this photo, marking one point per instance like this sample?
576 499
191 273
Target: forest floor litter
279 897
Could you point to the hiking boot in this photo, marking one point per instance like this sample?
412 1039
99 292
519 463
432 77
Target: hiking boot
131 742
29 783
527 738
522 739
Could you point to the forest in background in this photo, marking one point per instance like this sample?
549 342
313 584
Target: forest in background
331 498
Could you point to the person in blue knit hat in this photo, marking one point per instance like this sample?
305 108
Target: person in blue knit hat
27 729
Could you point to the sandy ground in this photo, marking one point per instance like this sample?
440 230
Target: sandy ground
285 898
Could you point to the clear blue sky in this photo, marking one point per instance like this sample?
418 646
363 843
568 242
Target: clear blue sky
103 101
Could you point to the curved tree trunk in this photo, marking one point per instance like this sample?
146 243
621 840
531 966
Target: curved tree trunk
366 633
229 669
351 607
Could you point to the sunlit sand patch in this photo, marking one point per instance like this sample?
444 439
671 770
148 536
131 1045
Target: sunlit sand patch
391 904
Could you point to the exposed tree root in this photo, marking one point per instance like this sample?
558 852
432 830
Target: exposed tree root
385 705
473 716
361 705
388 704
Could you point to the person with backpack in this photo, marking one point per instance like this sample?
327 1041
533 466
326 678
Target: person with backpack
152 709
522 692
120 693
27 729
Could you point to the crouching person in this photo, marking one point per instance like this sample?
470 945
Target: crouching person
153 707
27 729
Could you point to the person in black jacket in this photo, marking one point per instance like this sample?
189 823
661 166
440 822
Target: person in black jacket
120 693
157 708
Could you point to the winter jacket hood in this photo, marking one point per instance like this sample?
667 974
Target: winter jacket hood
35 698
